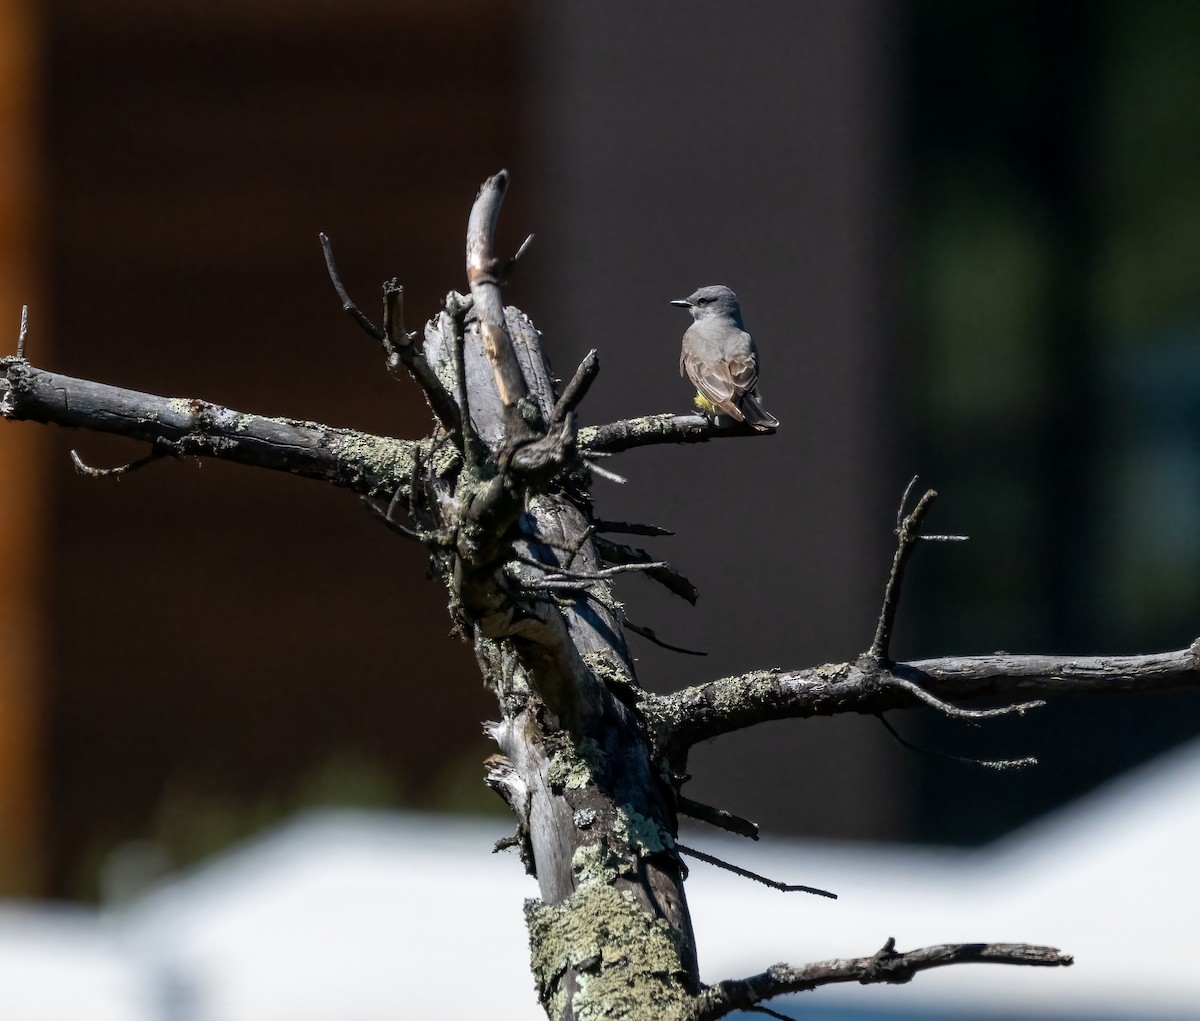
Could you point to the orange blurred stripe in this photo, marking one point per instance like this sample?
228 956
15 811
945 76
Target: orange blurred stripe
22 532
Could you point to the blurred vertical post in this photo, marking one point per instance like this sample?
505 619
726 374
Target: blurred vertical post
21 530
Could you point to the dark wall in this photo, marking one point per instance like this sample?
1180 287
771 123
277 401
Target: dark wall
225 639
962 235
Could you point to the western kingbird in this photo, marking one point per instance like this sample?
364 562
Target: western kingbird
720 358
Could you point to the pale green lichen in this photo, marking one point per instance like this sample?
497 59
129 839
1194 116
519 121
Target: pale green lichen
595 863
608 667
387 461
753 687
626 962
573 766
644 835
832 671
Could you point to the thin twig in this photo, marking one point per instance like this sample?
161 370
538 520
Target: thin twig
1020 708
669 577
155 454
386 517
468 441
584 536
904 500
630 528
604 473
1000 765
506 271
758 1008
649 635
23 333
737 870
554 573
578 386
908 530
348 306
393 317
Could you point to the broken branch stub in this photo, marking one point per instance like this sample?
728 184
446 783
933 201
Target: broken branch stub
483 276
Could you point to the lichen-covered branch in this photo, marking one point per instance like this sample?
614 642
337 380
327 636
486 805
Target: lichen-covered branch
885 966
653 429
183 426
704 711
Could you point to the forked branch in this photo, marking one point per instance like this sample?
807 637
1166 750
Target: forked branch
874 684
704 711
397 342
885 966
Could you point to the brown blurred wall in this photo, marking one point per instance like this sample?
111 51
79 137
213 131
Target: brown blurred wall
217 632
221 632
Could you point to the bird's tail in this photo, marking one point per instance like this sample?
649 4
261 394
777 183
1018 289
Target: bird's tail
756 415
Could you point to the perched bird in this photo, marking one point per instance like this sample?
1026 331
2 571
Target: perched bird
720 358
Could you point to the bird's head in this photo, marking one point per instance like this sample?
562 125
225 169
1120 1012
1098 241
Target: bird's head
714 300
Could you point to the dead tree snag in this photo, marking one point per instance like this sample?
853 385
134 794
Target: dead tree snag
591 764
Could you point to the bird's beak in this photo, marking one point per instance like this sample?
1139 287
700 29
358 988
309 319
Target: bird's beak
682 303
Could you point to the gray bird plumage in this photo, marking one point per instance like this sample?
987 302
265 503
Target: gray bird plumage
720 358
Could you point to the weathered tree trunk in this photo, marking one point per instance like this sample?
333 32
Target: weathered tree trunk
590 764
611 935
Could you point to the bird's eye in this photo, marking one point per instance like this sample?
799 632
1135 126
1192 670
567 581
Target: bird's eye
703 301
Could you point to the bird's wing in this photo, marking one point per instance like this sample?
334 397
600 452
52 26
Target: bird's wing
743 371
721 364
712 380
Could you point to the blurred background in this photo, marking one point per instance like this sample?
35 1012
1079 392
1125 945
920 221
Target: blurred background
965 234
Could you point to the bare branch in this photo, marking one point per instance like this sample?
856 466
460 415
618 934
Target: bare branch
23 332
348 306
577 387
564 574
483 274
397 343
737 870
885 966
84 468
921 695
908 531
385 516
716 817
660 571
650 635
760 1009
720 707
1000 765
468 440
364 463
400 343
629 528
652 429
604 473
